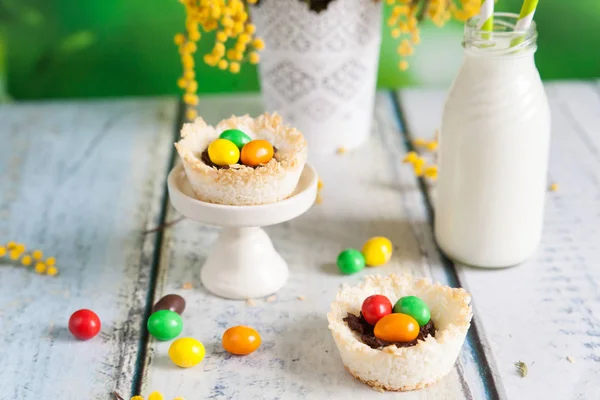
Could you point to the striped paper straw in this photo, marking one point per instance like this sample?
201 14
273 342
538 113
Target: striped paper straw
525 18
486 16
526 15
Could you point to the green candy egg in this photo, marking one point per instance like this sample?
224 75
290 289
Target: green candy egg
415 307
236 136
165 324
350 261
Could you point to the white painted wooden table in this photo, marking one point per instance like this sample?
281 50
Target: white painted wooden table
84 180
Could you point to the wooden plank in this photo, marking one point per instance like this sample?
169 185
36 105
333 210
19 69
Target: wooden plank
81 181
547 310
366 192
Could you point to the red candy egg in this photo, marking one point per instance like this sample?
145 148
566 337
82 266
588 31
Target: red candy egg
84 324
376 307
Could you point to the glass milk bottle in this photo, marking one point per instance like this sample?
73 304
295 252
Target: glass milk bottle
493 157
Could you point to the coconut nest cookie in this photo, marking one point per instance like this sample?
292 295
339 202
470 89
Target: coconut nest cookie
238 184
402 368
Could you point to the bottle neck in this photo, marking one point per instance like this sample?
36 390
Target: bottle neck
502 41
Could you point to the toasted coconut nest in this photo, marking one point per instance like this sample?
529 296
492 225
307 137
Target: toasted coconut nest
402 368
240 184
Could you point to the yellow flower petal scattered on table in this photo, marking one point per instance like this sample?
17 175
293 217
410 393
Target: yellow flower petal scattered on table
40 267
432 146
553 187
410 157
431 172
418 142
52 271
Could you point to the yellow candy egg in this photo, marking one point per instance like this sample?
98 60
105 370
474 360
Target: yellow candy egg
223 152
377 251
186 352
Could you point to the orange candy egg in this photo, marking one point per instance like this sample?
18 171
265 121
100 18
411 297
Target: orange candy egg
241 340
397 327
256 152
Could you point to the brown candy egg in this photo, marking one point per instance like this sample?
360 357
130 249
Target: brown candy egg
172 302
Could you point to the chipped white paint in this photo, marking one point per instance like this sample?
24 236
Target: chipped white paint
80 181
547 310
366 192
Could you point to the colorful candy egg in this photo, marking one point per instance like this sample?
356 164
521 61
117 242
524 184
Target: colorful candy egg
257 152
415 307
350 261
84 324
241 340
223 152
376 307
165 325
186 352
397 328
377 251
172 302
236 136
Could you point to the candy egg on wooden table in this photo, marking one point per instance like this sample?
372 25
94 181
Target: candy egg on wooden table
241 340
165 325
223 152
186 352
377 251
350 261
171 302
257 152
84 324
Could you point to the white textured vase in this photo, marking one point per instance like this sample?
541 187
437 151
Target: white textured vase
319 70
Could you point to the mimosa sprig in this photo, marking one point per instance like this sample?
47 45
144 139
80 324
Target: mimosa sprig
407 15
234 41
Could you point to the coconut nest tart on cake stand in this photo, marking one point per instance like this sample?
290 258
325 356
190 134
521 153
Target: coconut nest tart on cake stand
243 262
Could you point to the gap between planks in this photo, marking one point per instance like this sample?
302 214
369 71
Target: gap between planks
482 353
138 375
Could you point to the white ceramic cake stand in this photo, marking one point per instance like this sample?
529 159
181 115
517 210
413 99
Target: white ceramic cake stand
243 263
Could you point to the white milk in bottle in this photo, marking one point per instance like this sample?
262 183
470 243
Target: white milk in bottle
493 156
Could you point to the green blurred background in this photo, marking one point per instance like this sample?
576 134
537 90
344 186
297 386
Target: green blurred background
109 48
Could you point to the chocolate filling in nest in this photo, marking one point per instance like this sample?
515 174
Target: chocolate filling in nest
206 160
365 330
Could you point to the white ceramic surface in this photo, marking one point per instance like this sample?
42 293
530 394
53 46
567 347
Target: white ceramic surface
243 262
